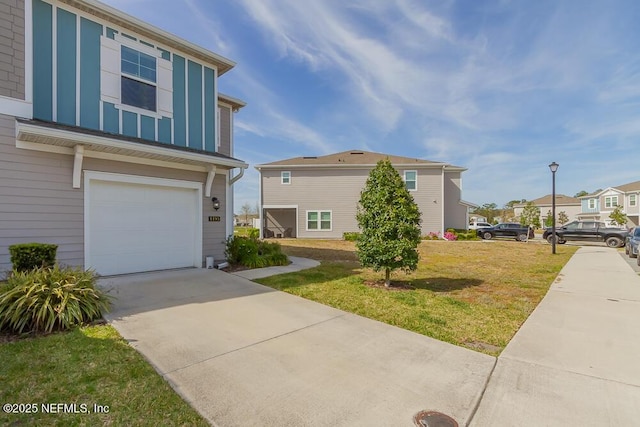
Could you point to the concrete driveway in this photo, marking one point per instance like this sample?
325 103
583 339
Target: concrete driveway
244 354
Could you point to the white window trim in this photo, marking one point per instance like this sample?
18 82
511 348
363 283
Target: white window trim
319 221
610 200
416 180
159 113
282 177
633 200
591 204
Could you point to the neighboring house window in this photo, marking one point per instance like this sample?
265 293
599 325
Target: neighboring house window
633 199
610 201
592 203
319 220
411 180
138 81
285 177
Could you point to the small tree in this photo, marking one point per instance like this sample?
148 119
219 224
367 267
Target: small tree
563 218
530 215
389 222
618 217
246 211
548 222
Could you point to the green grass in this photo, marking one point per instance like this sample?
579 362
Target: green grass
91 365
474 294
241 231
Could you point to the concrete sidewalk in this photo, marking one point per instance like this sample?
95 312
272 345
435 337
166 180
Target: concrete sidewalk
576 360
297 264
246 355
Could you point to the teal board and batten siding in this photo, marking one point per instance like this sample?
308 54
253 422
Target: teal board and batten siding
585 206
67 83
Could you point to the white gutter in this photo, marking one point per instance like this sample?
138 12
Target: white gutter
235 178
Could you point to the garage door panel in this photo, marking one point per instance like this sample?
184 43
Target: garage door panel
139 227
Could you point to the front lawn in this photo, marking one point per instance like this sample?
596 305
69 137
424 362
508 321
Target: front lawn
73 371
475 294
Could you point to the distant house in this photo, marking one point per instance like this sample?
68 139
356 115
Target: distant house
317 197
599 205
116 143
571 206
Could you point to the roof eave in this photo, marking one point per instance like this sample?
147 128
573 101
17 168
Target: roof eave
347 165
116 146
129 22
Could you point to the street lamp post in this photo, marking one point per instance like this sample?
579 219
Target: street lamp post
554 167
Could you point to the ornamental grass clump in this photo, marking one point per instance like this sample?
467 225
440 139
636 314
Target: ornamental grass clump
50 298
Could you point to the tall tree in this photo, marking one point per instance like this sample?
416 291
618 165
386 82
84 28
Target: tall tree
488 210
581 193
511 203
530 215
389 222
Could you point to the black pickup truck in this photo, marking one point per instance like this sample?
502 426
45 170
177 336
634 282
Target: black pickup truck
588 231
506 229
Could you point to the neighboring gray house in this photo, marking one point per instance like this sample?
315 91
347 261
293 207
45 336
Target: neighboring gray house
317 197
569 205
599 205
114 139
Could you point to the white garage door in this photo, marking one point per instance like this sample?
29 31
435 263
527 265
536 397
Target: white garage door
133 226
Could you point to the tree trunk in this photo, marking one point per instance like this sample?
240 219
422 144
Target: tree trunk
387 277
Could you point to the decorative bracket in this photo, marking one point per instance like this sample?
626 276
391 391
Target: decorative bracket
209 183
77 165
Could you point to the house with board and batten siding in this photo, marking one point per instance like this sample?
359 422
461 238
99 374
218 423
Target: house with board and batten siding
317 197
115 143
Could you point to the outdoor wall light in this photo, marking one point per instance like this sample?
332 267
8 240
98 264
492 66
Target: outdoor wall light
216 203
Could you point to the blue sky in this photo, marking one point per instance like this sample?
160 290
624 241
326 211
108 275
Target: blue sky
500 87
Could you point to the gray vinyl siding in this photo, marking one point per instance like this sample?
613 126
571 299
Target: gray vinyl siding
225 131
428 197
455 214
38 203
338 190
12 49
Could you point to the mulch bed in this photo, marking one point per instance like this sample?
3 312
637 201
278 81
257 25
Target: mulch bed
379 284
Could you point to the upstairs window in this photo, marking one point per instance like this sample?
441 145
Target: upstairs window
610 201
592 203
285 177
633 199
138 81
411 180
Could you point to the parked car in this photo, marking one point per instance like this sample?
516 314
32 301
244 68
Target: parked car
506 229
632 243
588 231
478 225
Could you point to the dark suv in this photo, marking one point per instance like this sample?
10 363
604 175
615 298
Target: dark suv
506 229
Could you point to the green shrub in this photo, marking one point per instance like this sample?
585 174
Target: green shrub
49 298
28 256
351 236
253 233
254 253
